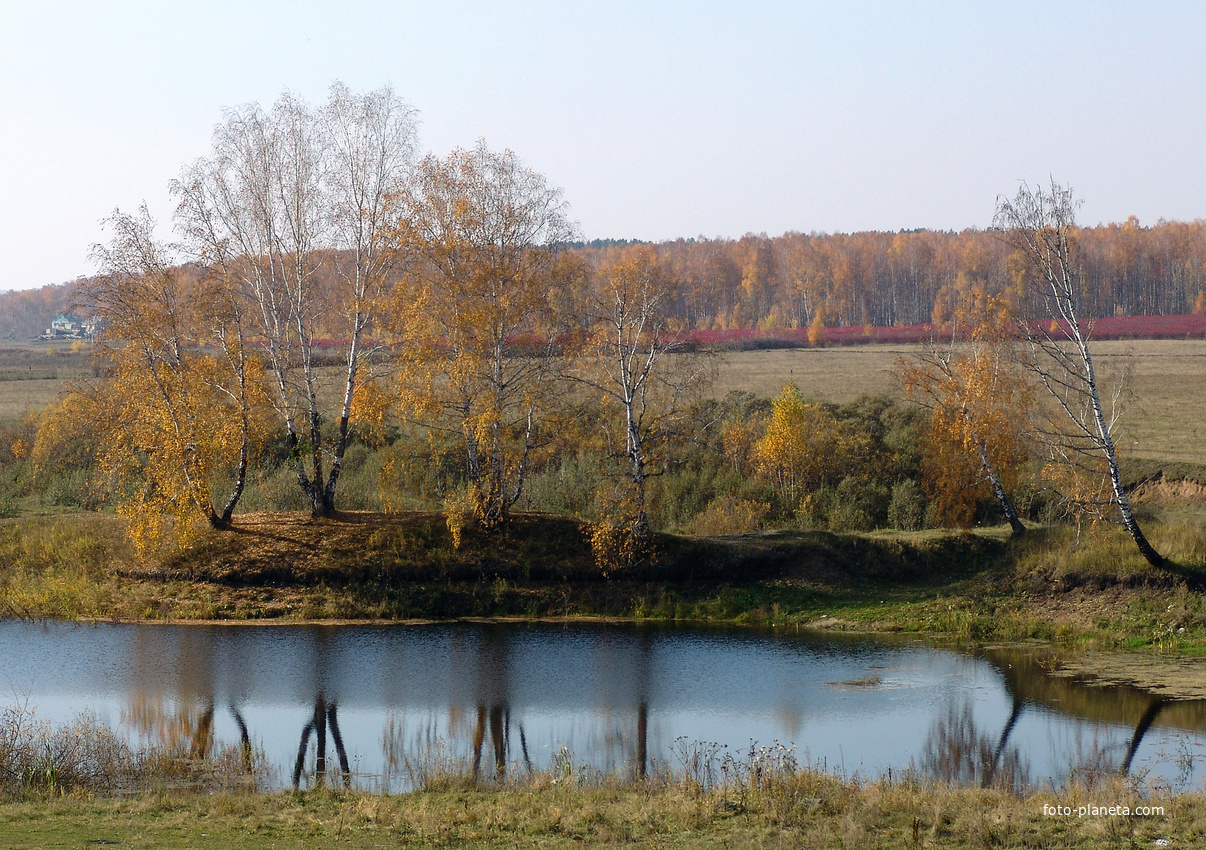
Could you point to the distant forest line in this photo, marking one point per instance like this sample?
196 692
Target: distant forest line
883 280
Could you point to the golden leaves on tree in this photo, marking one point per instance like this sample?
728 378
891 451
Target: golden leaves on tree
806 447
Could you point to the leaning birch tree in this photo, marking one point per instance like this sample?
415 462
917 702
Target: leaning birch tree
1079 432
176 408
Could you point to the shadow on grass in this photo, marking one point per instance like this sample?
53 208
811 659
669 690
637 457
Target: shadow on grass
538 548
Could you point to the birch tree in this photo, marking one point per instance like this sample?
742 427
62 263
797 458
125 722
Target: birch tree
1079 430
282 193
482 234
978 403
633 362
176 409
805 448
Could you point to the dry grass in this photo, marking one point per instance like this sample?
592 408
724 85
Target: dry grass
59 566
807 809
762 798
31 375
1167 397
40 759
20 397
1166 402
834 374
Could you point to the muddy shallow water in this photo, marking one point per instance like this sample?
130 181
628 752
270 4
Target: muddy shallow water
390 702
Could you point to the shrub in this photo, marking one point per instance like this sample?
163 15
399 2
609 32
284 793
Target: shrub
274 490
360 480
566 487
906 510
68 489
853 505
729 515
36 757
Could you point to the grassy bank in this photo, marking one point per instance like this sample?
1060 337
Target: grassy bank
803 810
375 566
286 567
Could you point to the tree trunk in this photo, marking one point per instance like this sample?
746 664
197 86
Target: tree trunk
1111 455
1128 519
999 491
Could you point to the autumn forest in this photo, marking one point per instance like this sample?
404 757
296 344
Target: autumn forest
881 279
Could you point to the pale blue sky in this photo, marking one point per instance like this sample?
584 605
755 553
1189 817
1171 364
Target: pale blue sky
659 120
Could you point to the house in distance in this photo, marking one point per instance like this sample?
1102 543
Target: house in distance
70 326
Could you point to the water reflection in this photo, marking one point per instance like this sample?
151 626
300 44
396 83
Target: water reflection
958 751
386 706
325 716
1028 677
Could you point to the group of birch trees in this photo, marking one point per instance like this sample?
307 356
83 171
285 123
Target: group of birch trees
1010 385
327 276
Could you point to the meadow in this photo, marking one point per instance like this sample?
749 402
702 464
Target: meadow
32 374
1164 383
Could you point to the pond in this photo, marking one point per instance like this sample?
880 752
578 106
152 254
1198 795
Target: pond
388 702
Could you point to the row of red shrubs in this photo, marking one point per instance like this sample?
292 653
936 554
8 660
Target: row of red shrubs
1185 326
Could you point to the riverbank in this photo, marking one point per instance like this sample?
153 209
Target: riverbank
978 586
287 568
806 809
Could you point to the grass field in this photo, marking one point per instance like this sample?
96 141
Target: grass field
1166 398
32 374
832 374
804 810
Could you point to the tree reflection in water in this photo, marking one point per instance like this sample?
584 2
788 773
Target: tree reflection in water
1145 722
182 729
485 736
957 751
326 715
496 700
1027 676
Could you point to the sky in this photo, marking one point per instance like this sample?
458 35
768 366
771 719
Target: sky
659 120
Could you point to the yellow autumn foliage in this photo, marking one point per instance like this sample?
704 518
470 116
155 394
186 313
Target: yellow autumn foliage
473 309
978 402
806 447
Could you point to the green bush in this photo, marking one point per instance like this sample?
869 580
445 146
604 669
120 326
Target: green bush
274 490
906 510
565 487
859 505
359 487
69 489
854 505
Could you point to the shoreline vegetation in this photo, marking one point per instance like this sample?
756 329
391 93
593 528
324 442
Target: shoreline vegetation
280 567
82 785
807 809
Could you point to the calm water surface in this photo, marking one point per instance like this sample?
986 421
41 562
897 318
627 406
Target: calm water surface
390 699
